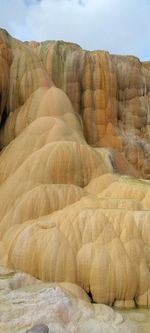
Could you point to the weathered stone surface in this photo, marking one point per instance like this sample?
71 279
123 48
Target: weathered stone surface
23 309
66 213
39 328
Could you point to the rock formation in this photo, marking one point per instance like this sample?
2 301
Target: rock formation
28 305
74 135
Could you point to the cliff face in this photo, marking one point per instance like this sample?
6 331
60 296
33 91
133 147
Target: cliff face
71 122
111 93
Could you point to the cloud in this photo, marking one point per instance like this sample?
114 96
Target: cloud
117 26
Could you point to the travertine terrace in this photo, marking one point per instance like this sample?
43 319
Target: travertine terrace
75 168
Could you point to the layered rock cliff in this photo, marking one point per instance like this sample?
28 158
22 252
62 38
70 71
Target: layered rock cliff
73 121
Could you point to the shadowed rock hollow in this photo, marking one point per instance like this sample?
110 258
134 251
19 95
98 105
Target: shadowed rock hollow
72 123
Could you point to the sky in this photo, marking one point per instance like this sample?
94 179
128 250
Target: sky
118 26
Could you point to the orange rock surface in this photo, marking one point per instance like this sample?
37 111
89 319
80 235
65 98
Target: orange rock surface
73 121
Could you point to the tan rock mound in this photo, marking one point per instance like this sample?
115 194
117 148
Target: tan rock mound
66 214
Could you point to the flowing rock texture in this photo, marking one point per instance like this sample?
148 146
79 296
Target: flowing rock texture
74 135
27 305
